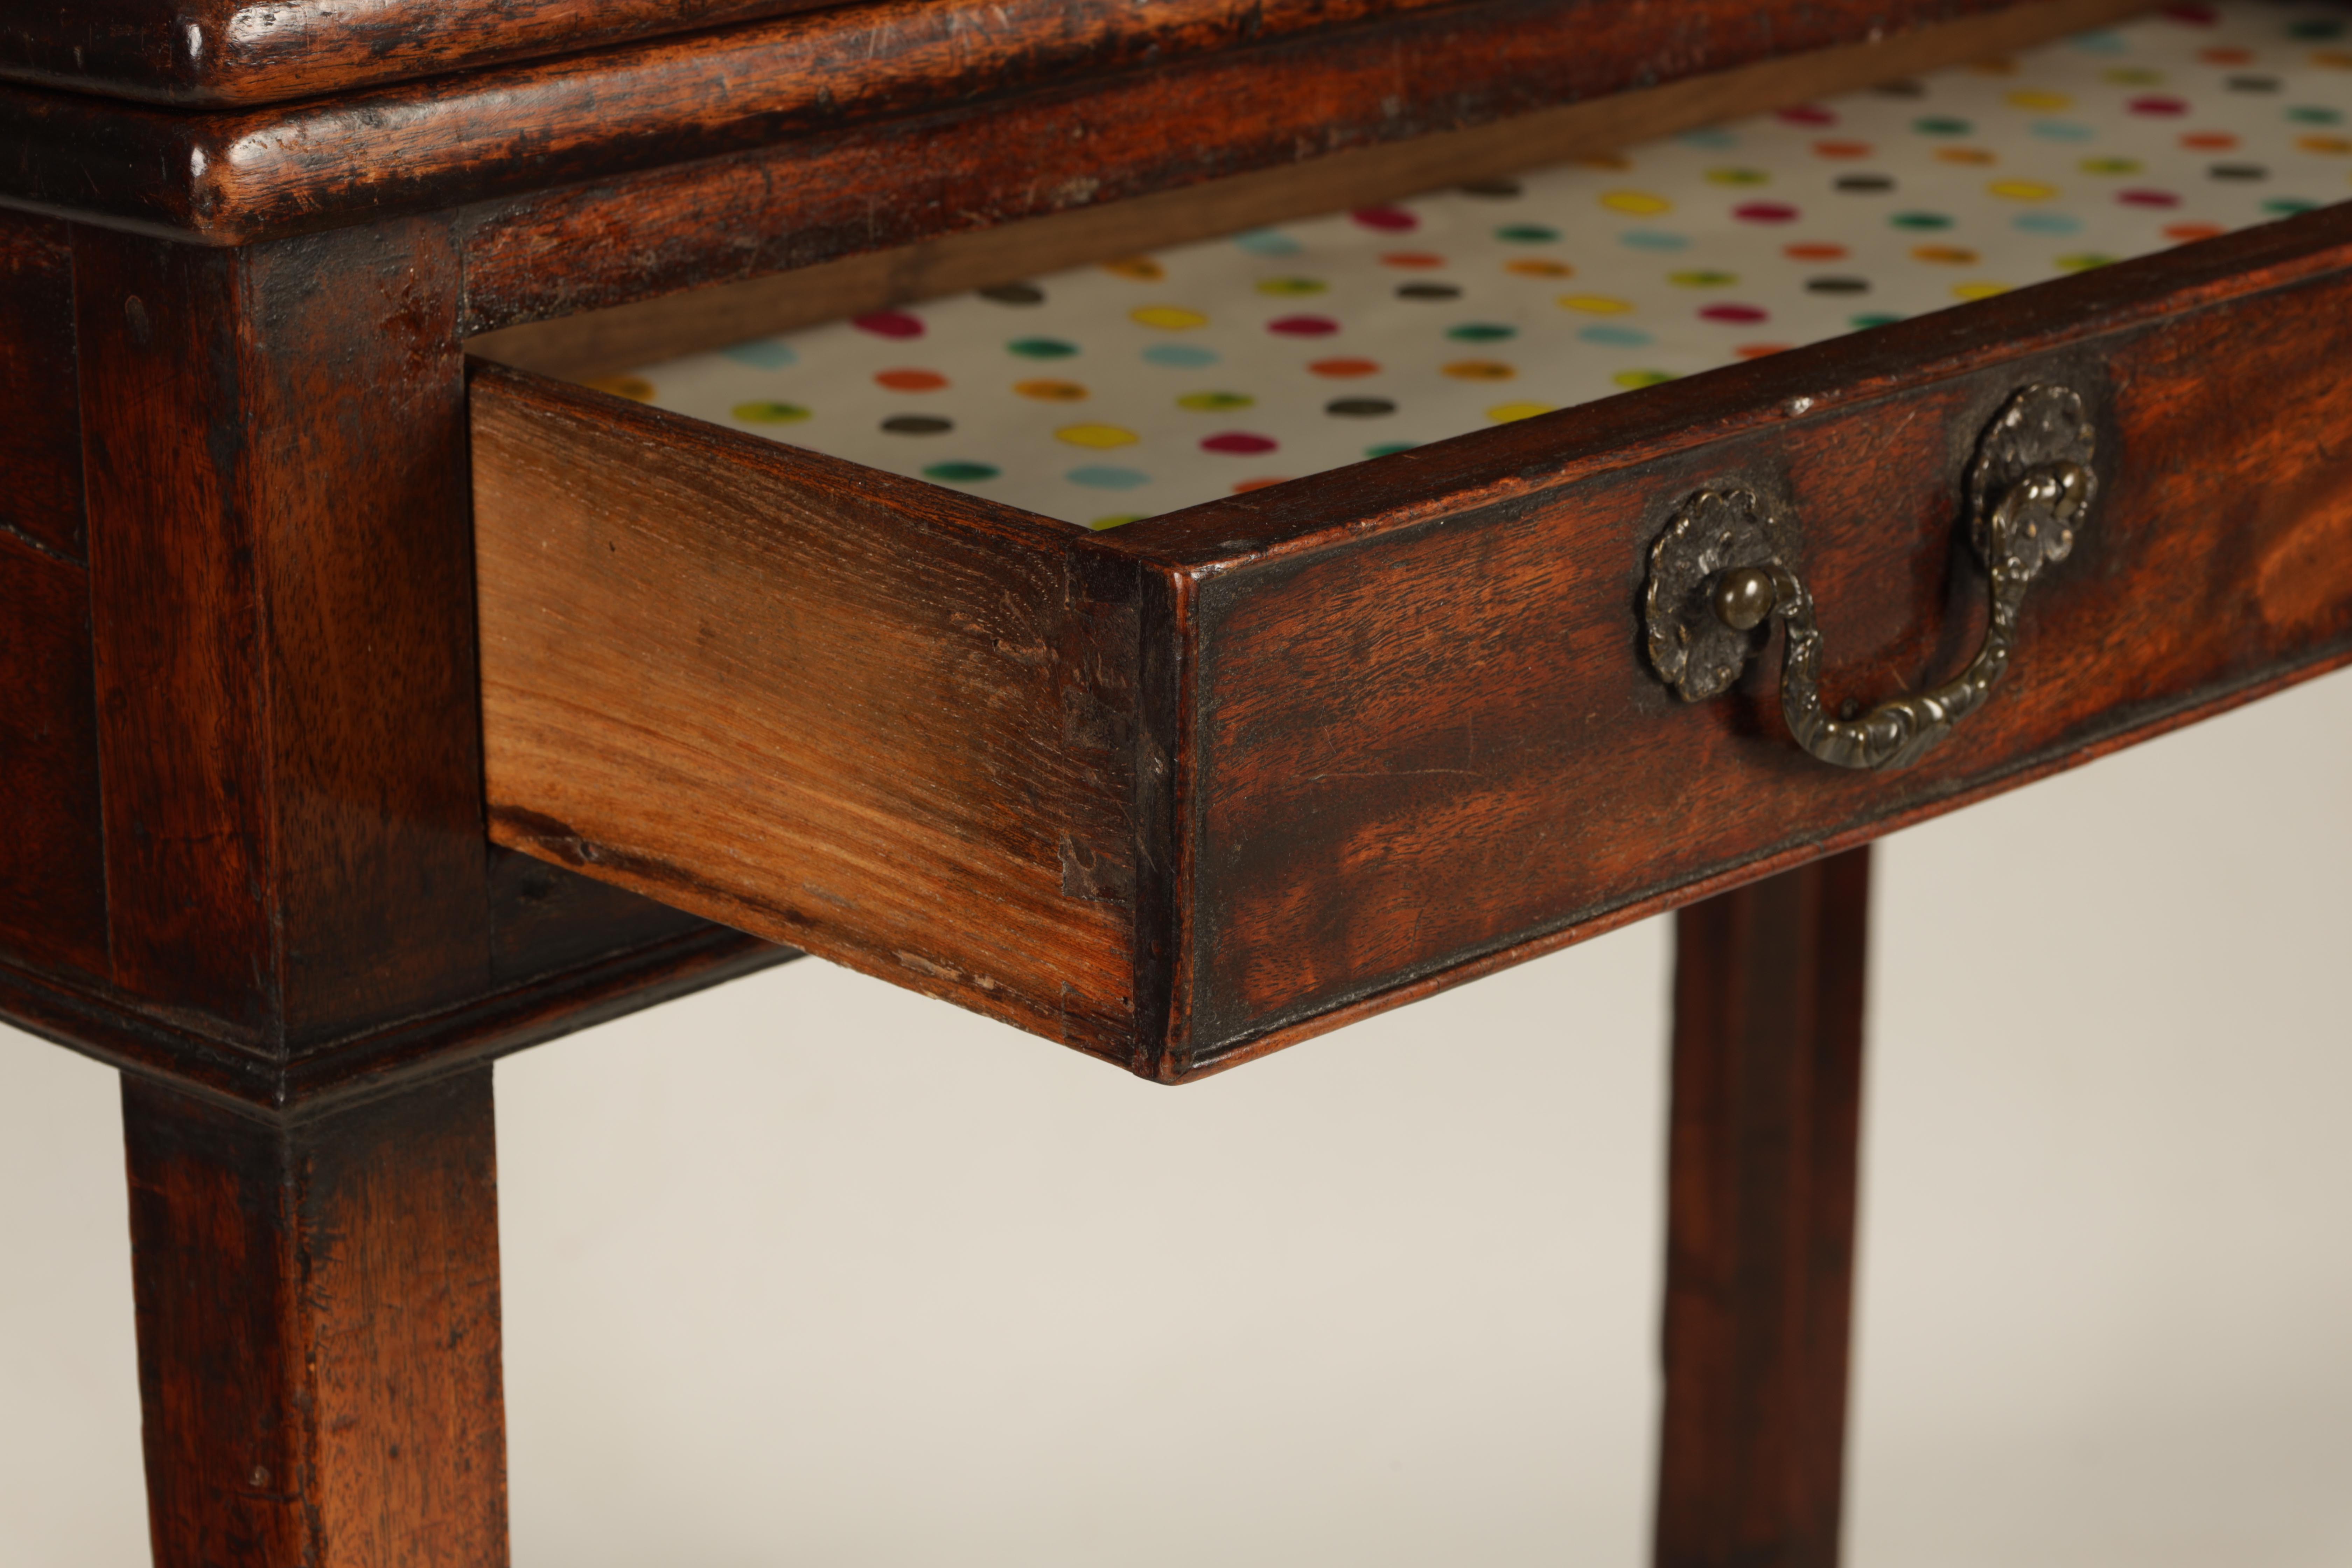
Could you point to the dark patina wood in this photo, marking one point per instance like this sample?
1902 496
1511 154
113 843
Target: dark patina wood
1405 727
1078 112
319 1346
1760 1184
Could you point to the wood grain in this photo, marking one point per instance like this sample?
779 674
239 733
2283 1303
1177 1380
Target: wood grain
860 715
1761 1169
256 51
52 855
319 1337
40 431
600 342
1368 70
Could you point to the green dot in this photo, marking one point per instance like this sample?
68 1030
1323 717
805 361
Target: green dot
1920 220
1642 377
1941 125
769 412
1527 233
1390 448
1871 318
1481 332
2315 27
2312 114
2085 261
1210 402
2111 165
1737 176
1042 348
1292 286
961 473
1703 280
2288 207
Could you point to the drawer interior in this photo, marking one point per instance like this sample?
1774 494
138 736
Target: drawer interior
1101 394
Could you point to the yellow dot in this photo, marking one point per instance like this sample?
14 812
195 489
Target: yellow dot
1050 391
1595 304
2037 98
2324 144
1503 413
1638 202
2083 261
1642 377
1167 318
635 388
1976 156
1978 290
1116 520
2333 59
1142 268
1096 436
1291 286
1480 370
2023 190
1739 176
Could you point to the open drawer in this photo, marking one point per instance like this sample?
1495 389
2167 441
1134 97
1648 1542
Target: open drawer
1183 791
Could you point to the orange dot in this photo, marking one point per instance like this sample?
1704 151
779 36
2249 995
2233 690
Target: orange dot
1976 155
1943 255
1531 268
1413 258
1842 149
1051 391
2210 140
1344 367
1758 351
1814 251
2185 232
1248 485
635 388
910 380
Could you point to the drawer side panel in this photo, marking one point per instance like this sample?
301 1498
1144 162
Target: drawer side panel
856 714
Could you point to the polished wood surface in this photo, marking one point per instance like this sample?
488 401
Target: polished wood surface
319 1339
1096 92
599 342
1387 727
1762 1162
253 51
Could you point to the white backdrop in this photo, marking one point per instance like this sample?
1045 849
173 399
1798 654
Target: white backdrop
809 1271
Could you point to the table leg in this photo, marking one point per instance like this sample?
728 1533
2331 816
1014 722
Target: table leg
1760 1217
318 1315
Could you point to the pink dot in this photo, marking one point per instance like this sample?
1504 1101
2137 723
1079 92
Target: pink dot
1237 442
1810 114
1764 212
889 325
1303 326
2157 103
2148 198
2195 16
1744 314
1394 220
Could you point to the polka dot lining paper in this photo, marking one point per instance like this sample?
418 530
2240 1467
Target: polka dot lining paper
1104 393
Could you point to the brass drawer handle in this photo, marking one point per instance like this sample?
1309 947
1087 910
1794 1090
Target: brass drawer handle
1720 571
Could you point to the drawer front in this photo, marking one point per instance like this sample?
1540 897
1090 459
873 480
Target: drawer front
1224 778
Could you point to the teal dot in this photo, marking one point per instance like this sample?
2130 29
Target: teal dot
2312 114
1481 332
766 354
2062 130
1920 220
1872 318
2100 42
1099 477
2288 207
2315 29
2047 223
1527 233
1390 448
1713 136
1615 337
1652 240
1267 242
961 473
1941 125
1042 348
1181 356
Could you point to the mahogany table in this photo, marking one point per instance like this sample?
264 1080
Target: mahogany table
380 699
